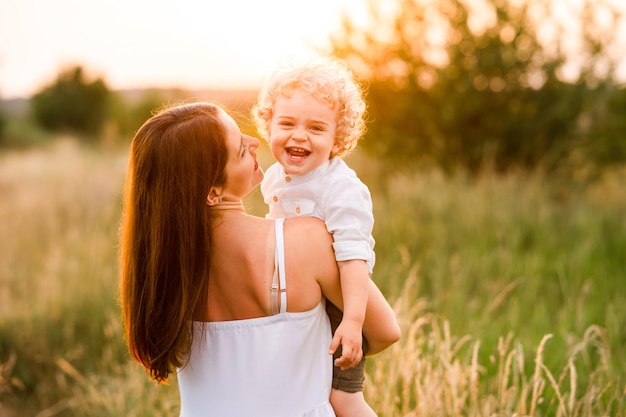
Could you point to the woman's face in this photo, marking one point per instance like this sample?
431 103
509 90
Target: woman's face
242 169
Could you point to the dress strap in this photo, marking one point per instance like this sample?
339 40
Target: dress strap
279 282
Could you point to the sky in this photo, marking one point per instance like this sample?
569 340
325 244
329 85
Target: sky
221 44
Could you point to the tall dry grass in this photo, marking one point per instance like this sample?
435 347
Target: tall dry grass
432 372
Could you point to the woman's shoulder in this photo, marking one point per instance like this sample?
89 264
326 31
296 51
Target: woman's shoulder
309 245
306 224
310 231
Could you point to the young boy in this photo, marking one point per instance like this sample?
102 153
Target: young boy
312 116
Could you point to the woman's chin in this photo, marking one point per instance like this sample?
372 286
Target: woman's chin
258 177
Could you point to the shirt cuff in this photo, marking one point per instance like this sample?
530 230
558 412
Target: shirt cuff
354 250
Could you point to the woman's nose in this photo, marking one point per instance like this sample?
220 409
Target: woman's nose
253 142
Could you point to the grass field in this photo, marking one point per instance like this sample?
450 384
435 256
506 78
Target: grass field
509 290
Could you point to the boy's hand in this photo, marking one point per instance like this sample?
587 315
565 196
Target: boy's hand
350 336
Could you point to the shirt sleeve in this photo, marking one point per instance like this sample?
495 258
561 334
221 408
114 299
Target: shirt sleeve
349 218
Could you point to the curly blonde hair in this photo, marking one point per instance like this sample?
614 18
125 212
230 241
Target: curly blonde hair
327 79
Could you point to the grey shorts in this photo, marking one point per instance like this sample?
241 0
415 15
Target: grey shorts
350 380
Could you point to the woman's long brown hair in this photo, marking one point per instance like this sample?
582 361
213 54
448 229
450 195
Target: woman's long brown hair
165 236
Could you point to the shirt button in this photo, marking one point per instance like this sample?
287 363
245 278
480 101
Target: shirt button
288 179
298 210
275 198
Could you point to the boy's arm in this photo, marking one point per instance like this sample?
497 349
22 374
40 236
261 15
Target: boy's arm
354 278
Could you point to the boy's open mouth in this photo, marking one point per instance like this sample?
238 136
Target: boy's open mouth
297 153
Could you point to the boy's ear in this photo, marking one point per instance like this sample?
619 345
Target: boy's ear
336 149
215 196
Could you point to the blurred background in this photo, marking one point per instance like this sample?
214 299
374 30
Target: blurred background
495 154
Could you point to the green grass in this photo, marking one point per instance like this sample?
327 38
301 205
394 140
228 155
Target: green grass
509 291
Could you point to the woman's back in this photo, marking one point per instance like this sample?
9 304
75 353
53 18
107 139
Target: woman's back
238 367
242 264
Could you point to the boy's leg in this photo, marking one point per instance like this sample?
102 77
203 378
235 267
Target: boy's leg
350 404
347 393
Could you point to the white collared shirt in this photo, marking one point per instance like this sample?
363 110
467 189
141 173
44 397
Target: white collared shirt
332 193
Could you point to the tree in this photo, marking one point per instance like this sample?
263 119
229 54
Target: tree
470 84
72 103
605 142
129 110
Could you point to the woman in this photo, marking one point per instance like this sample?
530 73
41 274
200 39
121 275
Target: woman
233 302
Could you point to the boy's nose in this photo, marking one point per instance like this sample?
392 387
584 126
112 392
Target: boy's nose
299 134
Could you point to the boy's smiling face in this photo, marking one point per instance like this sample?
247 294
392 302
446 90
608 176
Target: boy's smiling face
302 132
